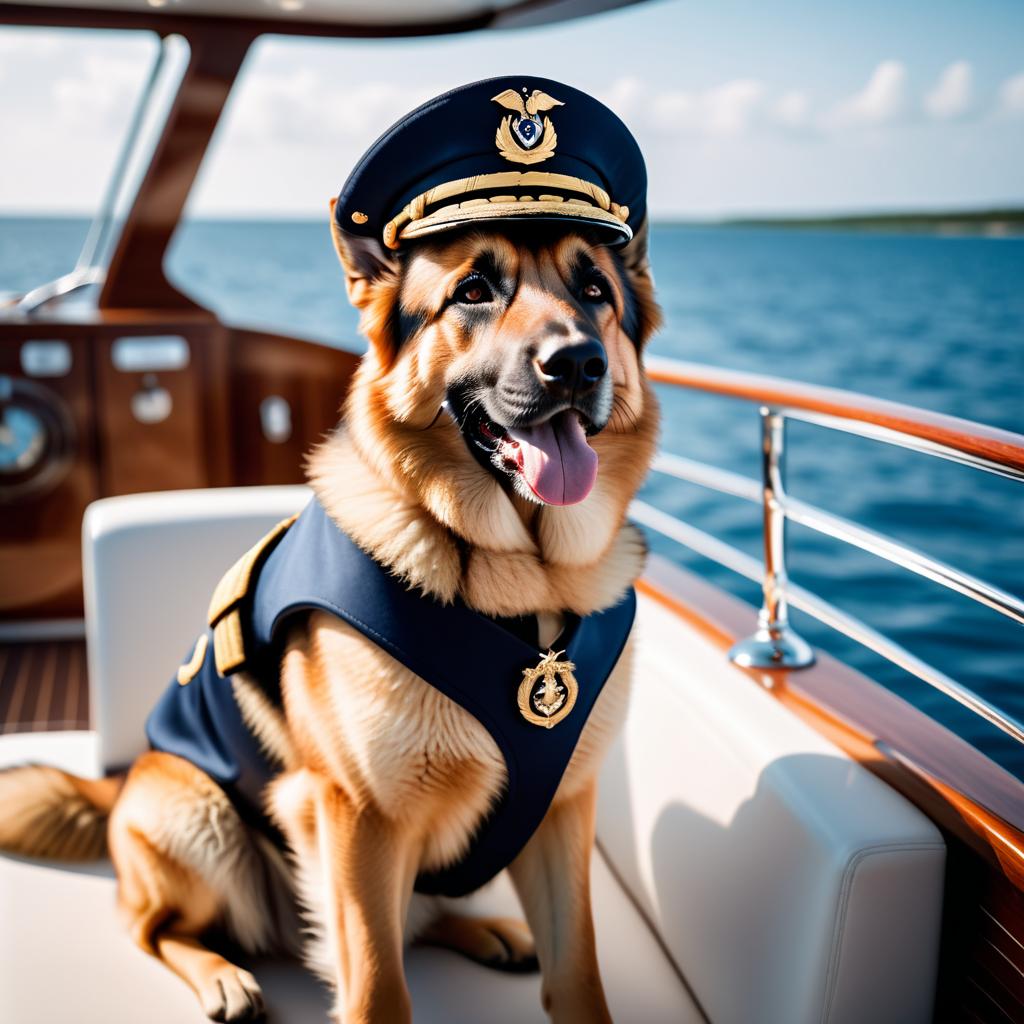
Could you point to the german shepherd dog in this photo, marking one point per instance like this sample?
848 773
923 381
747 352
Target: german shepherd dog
492 439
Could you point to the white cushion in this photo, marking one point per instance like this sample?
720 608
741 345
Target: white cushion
789 884
64 956
150 565
74 751
786 882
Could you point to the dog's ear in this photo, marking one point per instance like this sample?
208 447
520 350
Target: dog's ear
634 252
364 260
637 267
372 280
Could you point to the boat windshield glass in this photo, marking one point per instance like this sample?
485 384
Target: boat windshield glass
302 113
910 316
58 217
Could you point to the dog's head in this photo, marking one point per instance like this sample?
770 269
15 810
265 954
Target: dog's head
506 363
506 330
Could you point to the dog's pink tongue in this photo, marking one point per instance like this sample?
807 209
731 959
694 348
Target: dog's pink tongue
557 462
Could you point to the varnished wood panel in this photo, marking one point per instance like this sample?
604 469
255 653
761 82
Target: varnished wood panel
40 566
169 455
43 686
981 975
312 378
212 438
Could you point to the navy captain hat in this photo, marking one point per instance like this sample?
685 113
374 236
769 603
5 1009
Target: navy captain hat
501 149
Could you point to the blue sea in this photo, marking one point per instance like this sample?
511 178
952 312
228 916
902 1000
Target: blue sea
936 322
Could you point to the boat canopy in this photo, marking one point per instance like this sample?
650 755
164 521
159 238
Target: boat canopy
331 17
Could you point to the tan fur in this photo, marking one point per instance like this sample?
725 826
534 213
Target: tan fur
499 942
48 813
552 877
183 854
383 777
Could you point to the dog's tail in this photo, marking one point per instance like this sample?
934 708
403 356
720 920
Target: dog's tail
45 812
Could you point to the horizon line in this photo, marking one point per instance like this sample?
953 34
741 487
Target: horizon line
1012 208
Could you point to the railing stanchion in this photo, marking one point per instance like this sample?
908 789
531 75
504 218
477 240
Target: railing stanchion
774 644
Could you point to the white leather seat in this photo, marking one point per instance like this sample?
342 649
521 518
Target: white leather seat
782 880
64 957
788 883
151 563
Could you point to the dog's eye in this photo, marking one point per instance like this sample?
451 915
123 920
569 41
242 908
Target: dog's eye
473 291
596 289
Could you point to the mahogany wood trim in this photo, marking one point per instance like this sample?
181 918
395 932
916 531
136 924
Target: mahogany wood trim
254 349
213 436
312 378
1001 446
952 782
78 321
136 273
40 534
172 454
981 969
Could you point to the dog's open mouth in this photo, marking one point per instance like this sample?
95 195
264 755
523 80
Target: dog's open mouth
552 458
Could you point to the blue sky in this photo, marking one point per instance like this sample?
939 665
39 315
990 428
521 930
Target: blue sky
740 106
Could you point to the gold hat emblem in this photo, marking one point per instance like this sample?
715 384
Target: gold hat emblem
526 138
548 691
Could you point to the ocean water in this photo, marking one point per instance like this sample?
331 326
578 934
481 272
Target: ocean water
935 322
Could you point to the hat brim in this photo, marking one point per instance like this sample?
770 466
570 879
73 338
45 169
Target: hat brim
477 211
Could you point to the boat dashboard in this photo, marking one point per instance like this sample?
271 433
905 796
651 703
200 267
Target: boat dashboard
118 402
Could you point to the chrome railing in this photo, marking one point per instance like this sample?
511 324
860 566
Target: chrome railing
774 644
139 139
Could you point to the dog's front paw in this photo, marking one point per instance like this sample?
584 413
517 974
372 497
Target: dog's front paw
502 943
231 994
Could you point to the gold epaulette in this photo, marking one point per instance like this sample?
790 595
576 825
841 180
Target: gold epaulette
225 615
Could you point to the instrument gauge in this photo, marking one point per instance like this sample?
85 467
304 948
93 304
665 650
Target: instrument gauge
36 439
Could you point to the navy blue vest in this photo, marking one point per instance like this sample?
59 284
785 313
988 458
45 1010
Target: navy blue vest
475 661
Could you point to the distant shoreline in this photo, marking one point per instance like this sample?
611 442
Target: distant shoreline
992 223
996 222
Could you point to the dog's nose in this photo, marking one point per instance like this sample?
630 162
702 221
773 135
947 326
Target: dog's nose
575 367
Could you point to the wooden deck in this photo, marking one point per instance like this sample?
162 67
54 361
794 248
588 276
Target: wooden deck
43 686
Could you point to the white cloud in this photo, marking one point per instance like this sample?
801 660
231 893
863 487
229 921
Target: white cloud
305 104
21 42
724 111
625 96
730 109
1011 97
301 116
100 94
951 98
881 101
75 92
792 111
